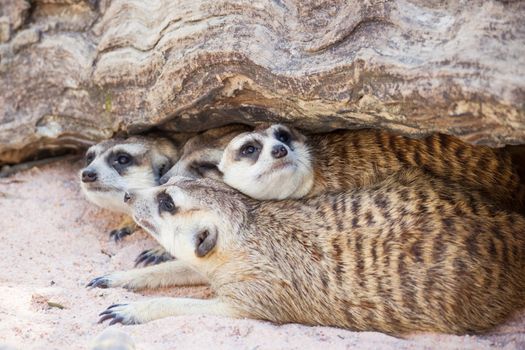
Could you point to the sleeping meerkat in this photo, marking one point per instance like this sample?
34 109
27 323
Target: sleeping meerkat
278 162
202 153
199 158
115 166
409 253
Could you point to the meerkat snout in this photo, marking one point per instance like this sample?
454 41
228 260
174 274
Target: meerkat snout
89 175
128 198
279 151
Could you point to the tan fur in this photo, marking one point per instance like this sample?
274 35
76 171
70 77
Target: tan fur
411 253
378 152
343 160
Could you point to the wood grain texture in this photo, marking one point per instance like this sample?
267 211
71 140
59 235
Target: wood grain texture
74 72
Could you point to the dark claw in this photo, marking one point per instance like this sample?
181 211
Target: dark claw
119 234
116 320
99 282
111 314
105 312
150 257
105 317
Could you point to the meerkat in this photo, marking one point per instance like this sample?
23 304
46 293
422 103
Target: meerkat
278 162
409 253
200 157
202 153
114 166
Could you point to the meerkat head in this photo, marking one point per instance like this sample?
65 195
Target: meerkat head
269 163
115 166
202 153
189 217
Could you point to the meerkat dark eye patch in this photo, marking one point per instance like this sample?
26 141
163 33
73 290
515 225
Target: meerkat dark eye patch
166 203
205 241
90 156
123 159
283 136
120 161
250 150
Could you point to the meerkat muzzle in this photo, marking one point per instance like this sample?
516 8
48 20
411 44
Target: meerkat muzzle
279 152
89 176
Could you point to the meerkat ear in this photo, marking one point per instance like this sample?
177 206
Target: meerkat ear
205 241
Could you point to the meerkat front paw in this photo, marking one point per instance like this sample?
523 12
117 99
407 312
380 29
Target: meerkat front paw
124 279
120 313
153 256
126 228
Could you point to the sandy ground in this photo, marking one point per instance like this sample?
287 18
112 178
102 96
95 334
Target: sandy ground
53 242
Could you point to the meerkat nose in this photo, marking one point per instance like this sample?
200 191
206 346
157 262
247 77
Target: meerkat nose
279 151
89 176
128 197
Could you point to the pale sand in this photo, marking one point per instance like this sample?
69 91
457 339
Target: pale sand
54 242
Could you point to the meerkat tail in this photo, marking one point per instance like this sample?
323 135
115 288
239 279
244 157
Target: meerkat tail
171 273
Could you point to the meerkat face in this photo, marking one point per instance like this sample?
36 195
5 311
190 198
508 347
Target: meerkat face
196 161
202 153
188 217
115 166
273 163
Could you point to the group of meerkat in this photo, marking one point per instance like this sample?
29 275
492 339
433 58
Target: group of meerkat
362 229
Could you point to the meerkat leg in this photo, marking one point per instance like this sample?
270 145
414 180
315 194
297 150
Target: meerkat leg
126 228
153 309
171 273
153 256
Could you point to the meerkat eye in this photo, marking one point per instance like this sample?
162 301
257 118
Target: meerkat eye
282 136
166 203
89 158
248 149
123 159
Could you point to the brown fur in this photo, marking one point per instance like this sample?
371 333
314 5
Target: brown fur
348 159
411 253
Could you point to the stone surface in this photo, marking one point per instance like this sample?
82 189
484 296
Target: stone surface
414 67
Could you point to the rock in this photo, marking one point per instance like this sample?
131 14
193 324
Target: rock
408 66
5 29
25 38
16 11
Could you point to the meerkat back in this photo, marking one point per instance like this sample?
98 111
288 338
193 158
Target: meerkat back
372 154
409 254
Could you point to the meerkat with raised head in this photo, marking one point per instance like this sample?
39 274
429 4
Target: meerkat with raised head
200 157
410 253
115 166
279 162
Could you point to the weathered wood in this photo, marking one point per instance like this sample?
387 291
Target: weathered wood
73 72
